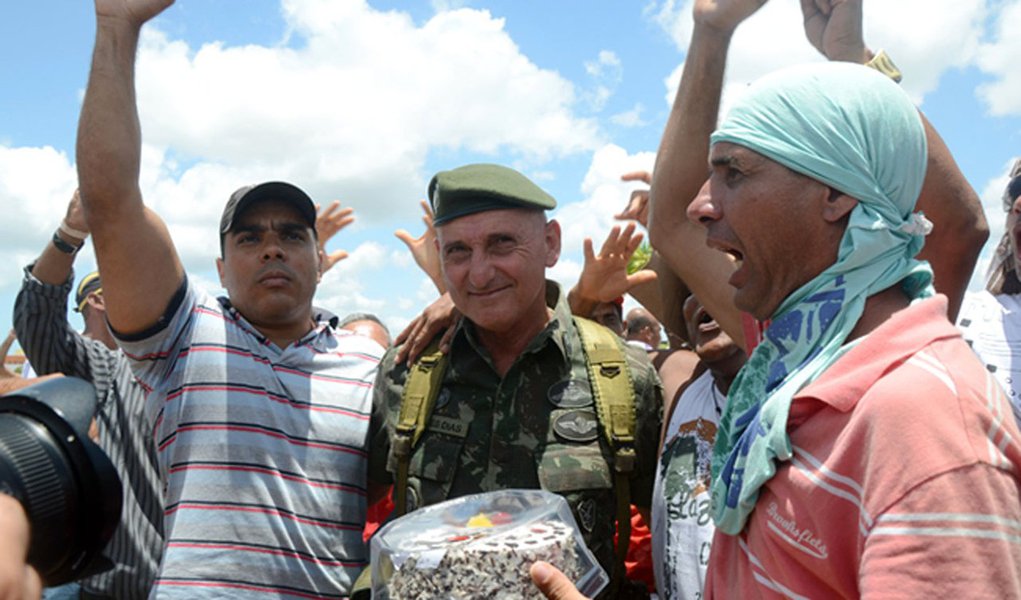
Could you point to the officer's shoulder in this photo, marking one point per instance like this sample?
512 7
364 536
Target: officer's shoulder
394 370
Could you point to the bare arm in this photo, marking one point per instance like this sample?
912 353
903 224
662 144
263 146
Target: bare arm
959 225
141 269
682 163
947 199
53 266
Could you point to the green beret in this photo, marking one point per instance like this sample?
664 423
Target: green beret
477 188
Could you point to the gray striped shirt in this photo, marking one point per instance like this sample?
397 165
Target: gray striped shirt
52 346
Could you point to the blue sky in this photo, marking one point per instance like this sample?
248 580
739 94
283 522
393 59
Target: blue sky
364 101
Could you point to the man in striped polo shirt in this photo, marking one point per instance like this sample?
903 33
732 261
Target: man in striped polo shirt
259 408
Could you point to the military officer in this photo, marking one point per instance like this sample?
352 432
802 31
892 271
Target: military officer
514 406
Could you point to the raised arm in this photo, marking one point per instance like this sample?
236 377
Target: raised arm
40 308
959 226
682 162
141 270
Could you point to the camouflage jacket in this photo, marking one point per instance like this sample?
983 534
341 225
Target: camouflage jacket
534 428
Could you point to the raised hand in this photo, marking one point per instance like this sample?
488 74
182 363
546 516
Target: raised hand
423 248
834 27
638 205
329 221
604 276
135 12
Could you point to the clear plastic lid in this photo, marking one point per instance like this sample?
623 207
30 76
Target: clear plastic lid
481 546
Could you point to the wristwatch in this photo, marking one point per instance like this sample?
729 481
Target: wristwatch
64 246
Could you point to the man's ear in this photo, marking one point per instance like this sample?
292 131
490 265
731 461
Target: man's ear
96 301
321 257
837 206
552 242
219 271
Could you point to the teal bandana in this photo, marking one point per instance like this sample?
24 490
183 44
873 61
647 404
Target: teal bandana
854 130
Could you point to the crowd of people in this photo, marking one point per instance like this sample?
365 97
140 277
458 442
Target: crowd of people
793 412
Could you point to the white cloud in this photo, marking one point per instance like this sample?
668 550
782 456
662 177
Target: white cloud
367 256
630 118
349 106
774 38
604 196
352 108
606 73
448 5
35 187
999 58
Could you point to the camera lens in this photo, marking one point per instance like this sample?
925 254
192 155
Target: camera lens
67 485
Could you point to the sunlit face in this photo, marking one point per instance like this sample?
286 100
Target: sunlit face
270 266
494 265
607 314
770 220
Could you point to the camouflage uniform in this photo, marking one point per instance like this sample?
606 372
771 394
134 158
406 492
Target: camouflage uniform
535 427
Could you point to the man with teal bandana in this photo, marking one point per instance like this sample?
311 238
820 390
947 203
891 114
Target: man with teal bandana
863 448
864 452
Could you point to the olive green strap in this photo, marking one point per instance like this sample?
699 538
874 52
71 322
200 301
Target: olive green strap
420 391
614 394
362 588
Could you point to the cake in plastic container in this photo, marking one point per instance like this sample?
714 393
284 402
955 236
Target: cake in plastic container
481 547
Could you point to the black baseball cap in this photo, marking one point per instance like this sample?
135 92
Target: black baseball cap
279 191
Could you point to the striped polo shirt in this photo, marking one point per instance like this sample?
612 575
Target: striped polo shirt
52 346
905 480
262 451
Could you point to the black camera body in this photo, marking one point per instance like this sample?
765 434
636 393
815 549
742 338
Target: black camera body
66 484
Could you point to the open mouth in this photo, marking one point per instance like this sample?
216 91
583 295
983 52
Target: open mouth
719 244
706 323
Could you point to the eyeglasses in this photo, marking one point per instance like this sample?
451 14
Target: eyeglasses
1011 193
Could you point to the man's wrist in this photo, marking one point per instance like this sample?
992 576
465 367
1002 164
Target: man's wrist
71 232
710 33
66 245
580 304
